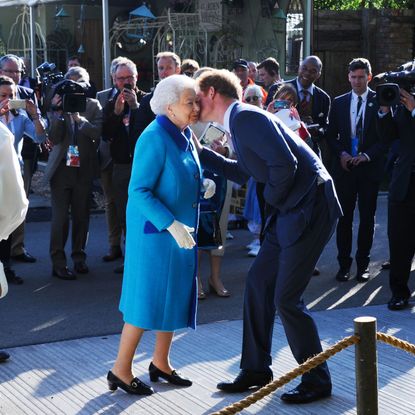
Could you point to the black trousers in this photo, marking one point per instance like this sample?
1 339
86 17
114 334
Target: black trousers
401 231
353 188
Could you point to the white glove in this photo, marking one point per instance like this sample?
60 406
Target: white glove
209 186
181 233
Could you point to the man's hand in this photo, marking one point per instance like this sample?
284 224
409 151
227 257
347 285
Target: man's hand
361 158
119 104
130 97
76 117
407 100
181 234
345 159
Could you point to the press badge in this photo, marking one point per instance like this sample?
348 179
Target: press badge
72 156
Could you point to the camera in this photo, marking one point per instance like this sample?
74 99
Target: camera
73 96
389 83
48 78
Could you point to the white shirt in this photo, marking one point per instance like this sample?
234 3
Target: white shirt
354 116
300 88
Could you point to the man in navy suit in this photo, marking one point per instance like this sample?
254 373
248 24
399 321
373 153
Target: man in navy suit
400 124
302 212
358 166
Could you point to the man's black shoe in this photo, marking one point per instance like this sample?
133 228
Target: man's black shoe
24 257
63 273
397 303
306 393
343 275
11 277
386 265
3 356
114 253
363 275
245 380
81 267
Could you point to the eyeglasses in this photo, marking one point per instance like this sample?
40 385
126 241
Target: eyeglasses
125 78
253 99
188 73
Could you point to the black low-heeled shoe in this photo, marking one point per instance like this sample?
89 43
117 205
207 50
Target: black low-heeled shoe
175 378
136 387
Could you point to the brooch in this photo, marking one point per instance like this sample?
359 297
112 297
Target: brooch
370 104
320 115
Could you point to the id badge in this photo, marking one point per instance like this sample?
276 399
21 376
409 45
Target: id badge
72 156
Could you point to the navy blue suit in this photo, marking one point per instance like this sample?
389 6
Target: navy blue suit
303 210
401 212
361 183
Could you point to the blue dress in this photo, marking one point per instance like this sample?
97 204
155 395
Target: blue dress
159 288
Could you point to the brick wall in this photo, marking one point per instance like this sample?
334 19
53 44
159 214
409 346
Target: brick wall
385 37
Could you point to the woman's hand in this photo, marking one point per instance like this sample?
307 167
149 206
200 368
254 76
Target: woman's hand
209 187
271 108
4 106
182 234
31 109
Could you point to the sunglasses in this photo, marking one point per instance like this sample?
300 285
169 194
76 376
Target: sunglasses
253 99
188 73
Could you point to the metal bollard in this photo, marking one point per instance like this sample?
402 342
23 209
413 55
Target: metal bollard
366 366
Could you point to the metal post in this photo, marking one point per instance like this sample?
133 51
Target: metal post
32 42
106 46
308 16
366 366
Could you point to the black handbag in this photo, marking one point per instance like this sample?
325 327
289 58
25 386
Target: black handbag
209 235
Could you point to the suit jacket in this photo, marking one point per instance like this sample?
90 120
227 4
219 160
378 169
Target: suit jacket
272 154
61 134
339 136
122 139
145 114
104 153
320 106
400 126
29 147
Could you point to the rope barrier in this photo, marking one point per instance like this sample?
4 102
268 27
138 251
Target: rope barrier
307 366
394 341
288 377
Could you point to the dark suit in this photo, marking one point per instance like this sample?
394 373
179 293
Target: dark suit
29 155
320 107
303 211
361 184
71 186
401 215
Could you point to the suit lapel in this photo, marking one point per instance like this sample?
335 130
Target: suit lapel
347 118
369 111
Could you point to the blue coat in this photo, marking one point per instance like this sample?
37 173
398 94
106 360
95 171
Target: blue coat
159 287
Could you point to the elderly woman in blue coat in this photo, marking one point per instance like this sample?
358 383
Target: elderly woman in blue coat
160 287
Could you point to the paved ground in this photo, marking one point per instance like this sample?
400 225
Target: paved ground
69 377
46 309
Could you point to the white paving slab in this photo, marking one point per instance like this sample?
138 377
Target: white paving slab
69 377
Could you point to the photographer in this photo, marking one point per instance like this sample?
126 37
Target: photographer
358 167
398 122
75 129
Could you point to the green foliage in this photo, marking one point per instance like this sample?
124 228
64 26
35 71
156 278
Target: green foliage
360 4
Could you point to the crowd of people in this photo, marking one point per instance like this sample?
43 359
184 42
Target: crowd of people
166 161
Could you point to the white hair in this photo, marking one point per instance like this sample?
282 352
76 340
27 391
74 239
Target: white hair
168 91
253 88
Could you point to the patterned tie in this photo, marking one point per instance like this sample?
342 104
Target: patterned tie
305 104
359 125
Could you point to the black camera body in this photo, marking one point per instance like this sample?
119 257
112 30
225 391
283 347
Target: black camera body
389 83
73 96
48 78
